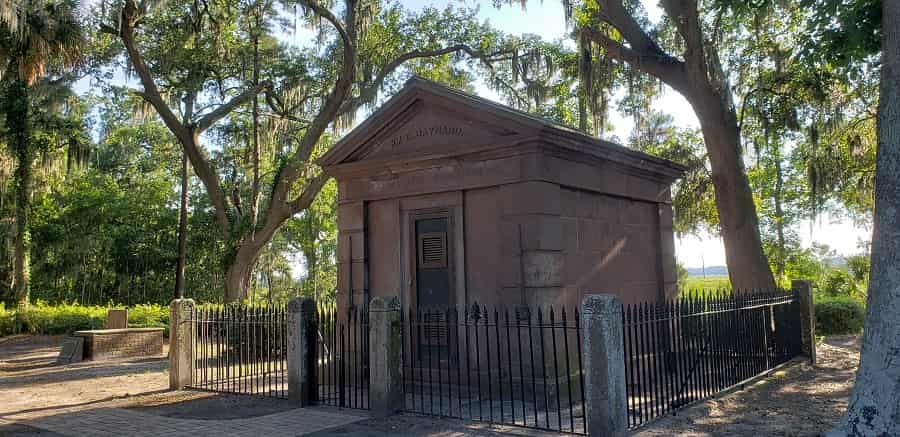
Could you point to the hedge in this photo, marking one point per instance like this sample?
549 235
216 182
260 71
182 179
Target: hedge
44 319
839 315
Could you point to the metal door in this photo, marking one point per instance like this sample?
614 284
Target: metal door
433 282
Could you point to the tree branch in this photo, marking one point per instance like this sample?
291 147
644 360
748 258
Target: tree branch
660 65
220 112
367 93
185 136
309 193
614 13
684 14
329 110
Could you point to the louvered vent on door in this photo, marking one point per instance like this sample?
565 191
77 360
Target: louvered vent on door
434 326
433 250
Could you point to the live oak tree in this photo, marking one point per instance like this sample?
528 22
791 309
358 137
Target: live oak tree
698 75
35 37
361 50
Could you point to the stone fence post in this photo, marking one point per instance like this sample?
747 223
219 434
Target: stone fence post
301 358
385 356
606 412
807 317
181 332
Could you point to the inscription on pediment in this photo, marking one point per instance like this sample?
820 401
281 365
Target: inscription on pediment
434 130
425 132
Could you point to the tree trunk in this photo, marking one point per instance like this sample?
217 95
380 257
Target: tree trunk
874 409
237 277
17 122
700 80
781 262
748 267
238 271
254 200
182 229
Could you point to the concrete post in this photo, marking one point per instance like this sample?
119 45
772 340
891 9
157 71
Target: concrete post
301 359
604 366
807 317
181 333
385 356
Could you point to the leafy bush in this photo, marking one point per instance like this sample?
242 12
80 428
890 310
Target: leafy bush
838 282
7 320
45 319
839 315
148 316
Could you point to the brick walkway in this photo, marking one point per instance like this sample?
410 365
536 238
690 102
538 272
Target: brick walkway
120 421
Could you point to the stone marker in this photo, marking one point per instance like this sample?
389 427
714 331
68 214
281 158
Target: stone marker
606 412
301 359
181 363
72 350
385 355
117 319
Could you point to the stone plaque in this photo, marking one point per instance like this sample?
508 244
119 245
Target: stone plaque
117 319
72 350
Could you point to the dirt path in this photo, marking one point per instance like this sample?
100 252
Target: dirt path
31 382
799 401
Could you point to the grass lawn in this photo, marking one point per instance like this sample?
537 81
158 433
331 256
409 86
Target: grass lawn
708 283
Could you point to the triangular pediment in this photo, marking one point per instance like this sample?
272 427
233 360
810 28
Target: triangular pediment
431 129
426 121
421 121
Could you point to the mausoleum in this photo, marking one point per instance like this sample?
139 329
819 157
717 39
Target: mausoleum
450 199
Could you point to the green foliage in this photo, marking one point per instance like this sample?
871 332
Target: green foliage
42 318
682 274
839 315
840 283
843 32
7 320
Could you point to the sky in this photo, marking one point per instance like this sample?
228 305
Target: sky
546 19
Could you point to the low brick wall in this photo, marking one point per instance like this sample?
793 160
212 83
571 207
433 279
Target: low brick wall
122 343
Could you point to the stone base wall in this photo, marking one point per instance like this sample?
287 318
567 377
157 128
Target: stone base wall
122 343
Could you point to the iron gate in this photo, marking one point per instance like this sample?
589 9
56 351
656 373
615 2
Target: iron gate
342 357
520 368
239 349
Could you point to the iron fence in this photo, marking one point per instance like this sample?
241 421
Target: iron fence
522 368
239 349
683 351
342 357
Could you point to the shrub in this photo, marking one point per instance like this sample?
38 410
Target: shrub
7 320
149 316
839 315
839 282
65 318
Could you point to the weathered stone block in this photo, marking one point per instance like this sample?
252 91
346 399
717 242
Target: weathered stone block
807 317
543 269
116 318
606 409
301 351
351 216
385 355
181 333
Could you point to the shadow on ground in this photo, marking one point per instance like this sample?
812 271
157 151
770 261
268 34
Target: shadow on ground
797 401
212 406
